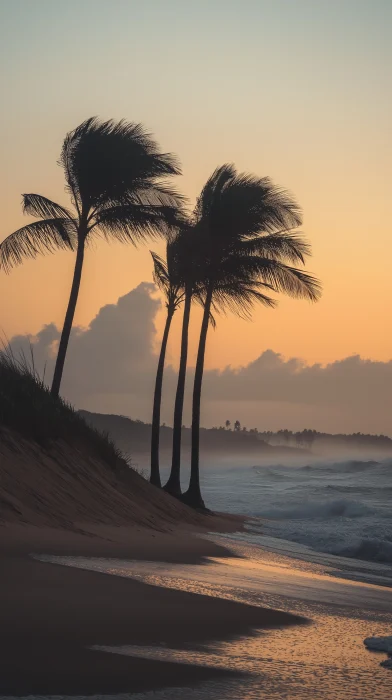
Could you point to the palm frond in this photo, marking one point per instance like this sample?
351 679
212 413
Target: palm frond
233 204
249 206
236 267
211 190
161 194
43 236
170 274
246 243
37 205
239 298
135 223
286 246
289 280
160 272
212 320
269 206
107 161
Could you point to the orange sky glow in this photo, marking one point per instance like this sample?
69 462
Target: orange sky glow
311 108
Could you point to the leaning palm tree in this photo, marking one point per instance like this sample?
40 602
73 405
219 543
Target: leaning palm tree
190 268
245 224
167 276
173 485
115 175
188 264
227 295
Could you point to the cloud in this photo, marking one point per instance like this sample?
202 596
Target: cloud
273 378
111 368
114 355
349 395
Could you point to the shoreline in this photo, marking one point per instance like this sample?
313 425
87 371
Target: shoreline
53 614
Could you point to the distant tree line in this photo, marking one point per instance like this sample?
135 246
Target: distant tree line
307 437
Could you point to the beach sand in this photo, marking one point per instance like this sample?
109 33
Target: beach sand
51 615
64 500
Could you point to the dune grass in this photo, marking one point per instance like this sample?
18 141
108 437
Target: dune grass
27 407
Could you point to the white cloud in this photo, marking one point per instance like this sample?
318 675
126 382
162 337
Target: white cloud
111 368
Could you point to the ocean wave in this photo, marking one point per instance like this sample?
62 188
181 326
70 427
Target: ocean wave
368 539
280 471
342 507
277 473
366 490
352 544
348 467
370 549
334 508
357 466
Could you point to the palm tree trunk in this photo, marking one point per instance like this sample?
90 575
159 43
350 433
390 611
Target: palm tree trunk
155 477
173 485
193 496
69 316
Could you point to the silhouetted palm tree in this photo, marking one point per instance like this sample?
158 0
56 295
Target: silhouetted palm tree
244 225
167 276
193 290
173 483
230 292
114 174
192 273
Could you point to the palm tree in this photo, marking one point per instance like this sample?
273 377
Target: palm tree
114 174
190 268
229 292
168 278
236 292
173 483
188 260
245 225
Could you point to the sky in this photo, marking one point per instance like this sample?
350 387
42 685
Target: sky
299 90
111 368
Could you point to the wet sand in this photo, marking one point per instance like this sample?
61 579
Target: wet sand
51 614
324 661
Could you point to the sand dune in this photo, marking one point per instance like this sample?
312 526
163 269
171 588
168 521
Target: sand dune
60 485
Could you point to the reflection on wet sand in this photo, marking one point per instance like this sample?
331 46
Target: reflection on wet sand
325 659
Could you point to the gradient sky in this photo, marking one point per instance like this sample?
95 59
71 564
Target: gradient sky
299 90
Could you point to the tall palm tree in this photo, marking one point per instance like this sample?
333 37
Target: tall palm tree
191 270
173 485
245 225
114 174
226 295
167 276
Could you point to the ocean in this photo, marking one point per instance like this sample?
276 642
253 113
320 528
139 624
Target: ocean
312 510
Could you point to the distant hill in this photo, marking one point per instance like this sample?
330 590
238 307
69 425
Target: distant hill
133 439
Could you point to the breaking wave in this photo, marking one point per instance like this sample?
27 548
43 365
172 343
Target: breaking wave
370 549
340 508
